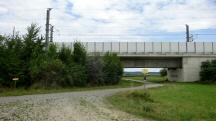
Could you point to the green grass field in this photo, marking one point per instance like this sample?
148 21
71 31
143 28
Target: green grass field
21 91
174 102
151 78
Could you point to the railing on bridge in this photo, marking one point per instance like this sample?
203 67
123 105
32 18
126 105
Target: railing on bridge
147 47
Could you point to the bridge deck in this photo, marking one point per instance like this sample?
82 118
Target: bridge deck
148 48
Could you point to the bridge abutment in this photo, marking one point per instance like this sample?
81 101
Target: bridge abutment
190 69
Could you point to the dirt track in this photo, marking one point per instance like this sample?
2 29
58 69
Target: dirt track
71 106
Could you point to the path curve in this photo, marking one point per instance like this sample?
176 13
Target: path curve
69 106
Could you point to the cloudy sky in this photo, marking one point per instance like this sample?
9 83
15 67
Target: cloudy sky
113 20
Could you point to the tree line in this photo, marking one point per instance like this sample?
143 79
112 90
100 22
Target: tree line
25 57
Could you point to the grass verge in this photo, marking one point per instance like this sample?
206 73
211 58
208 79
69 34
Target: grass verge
22 91
174 102
151 78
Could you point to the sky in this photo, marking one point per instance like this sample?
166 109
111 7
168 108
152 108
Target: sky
113 20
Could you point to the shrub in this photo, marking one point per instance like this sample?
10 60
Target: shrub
163 72
50 74
79 54
147 108
26 58
76 75
10 62
205 72
95 70
112 69
208 71
32 43
33 46
52 52
65 55
45 69
141 95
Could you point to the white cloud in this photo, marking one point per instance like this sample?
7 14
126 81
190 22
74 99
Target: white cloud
3 10
108 17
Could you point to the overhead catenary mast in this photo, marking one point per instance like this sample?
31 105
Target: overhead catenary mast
47 27
187 33
51 33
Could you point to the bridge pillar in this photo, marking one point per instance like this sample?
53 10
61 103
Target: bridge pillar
174 74
190 69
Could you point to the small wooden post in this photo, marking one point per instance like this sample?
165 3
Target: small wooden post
15 81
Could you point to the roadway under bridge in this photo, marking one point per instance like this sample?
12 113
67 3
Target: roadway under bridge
182 59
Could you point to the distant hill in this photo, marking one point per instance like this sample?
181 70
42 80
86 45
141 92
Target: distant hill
154 73
137 73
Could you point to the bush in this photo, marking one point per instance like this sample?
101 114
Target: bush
79 54
76 75
163 72
208 71
147 108
112 69
50 74
140 95
26 58
10 62
65 55
52 52
33 46
95 70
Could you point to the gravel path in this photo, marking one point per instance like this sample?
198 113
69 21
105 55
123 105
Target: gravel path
71 106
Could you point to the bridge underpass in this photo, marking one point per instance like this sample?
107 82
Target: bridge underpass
152 62
183 59
171 63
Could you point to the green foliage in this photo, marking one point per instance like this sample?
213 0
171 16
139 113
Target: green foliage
141 95
76 75
208 71
50 74
45 69
113 69
27 59
173 102
150 78
21 91
147 108
163 72
95 70
32 43
52 52
79 53
11 65
65 55
33 47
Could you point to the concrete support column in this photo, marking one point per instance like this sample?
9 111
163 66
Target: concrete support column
190 69
174 74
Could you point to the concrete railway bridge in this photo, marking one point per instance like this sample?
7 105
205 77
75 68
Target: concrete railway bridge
182 59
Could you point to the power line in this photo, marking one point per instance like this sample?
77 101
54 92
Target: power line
126 34
93 9
205 34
